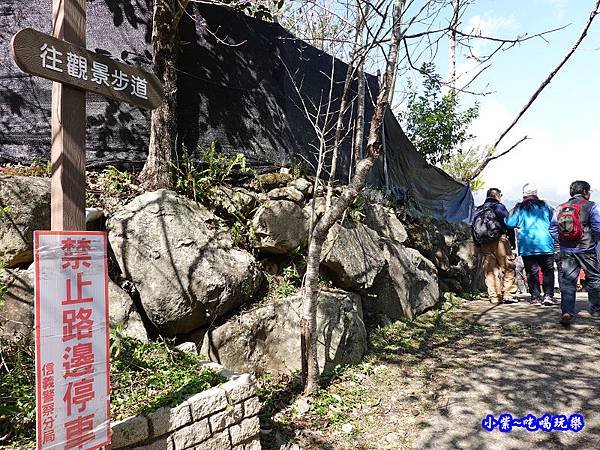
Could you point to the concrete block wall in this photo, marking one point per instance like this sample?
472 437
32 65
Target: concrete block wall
223 417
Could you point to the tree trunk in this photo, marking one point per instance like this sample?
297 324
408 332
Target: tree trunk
310 292
344 102
452 50
163 124
359 128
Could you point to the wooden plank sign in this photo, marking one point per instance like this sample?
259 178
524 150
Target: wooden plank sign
48 57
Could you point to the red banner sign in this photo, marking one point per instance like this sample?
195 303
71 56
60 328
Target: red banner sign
72 340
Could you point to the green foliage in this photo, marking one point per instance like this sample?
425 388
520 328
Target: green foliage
473 295
110 188
345 394
37 168
144 377
284 288
415 337
114 181
290 280
434 122
5 211
40 168
200 180
297 170
462 164
197 179
243 233
17 397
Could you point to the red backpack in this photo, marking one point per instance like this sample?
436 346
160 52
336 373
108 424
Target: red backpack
569 223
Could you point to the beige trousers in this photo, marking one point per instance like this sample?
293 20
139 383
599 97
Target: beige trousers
499 269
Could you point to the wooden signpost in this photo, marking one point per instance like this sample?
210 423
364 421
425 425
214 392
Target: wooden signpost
71 420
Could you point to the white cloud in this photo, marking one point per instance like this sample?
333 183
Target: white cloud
488 24
549 159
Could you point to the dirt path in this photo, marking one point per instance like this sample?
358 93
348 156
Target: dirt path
428 384
528 363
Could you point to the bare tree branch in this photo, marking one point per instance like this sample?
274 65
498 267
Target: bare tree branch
541 87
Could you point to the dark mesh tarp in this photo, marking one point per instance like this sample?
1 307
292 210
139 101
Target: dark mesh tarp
425 189
116 132
244 95
238 81
235 86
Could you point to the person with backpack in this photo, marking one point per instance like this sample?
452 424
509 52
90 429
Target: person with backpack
532 217
491 236
576 226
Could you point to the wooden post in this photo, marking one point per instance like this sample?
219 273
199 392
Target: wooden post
68 127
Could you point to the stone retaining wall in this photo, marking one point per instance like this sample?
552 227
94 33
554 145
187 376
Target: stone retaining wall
223 417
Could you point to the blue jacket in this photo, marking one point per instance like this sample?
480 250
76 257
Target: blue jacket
593 223
533 224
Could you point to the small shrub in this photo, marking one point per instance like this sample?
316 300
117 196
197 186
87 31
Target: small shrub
145 377
17 396
289 282
197 179
114 181
284 288
5 211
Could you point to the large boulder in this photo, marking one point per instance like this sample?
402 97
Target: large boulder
450 247
352 255
234 202
406 287
181 259
280 226
320 204
25 207
123 314
286 193
268 338
16 304
16 309
302 185
384 221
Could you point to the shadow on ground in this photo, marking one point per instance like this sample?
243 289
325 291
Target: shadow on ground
524 362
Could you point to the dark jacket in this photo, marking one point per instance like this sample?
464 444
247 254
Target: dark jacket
501 214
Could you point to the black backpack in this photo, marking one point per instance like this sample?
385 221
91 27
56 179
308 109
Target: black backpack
486 226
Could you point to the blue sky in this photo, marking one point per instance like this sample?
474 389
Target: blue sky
562 123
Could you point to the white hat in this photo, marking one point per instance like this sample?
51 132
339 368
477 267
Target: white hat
529 189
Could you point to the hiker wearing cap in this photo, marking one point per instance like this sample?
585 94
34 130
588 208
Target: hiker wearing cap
532 217
491 237
576 226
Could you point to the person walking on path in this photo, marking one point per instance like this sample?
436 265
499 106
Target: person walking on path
576 226
532 217
491 236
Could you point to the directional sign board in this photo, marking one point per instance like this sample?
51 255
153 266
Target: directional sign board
45 56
